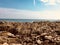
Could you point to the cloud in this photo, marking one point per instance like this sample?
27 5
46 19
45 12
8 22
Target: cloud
44 1
58 1
50 2
17 14
26 14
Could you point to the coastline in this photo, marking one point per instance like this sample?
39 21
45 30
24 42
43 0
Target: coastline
30 33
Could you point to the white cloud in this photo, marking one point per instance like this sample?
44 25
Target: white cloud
14 13
44 1
26 14
58 1
50 2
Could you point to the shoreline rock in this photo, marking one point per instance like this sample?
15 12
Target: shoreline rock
26 33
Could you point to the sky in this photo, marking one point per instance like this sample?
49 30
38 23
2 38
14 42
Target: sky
30 9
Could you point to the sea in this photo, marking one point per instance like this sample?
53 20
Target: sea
26 20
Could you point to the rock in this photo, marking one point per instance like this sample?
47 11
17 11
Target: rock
3 39
26 33
43 34
13 31
58 32
48 37
2 22
10 35
5 44
13 40
57 39
6 34
16 44
38 41
47 41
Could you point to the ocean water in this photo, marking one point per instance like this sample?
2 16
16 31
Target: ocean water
26 20
22 20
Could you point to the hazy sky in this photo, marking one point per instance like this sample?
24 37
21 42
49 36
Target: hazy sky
30 9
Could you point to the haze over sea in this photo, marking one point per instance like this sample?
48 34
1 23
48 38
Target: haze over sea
27 20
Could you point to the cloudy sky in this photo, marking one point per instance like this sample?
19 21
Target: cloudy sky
30 9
